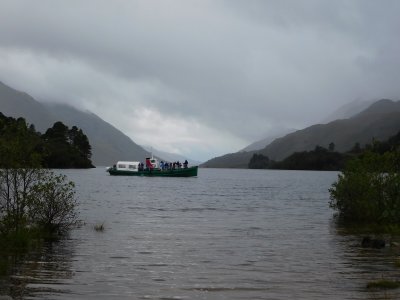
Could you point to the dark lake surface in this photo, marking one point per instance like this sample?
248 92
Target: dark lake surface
227 234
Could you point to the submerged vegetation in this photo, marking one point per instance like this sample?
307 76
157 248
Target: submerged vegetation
99 227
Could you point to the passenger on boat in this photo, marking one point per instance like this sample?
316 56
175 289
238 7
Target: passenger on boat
141 166
185 164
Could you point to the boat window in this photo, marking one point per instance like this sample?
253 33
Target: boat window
121 166
132 167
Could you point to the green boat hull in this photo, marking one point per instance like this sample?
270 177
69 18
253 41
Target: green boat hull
182 172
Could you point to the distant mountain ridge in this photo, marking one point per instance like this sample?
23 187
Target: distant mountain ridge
378 121
108 143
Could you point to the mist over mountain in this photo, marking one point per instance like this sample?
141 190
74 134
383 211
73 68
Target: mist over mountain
348 110
16 104
380 121
274 134
108 143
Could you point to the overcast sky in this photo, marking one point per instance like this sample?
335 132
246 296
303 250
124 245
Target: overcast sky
202 78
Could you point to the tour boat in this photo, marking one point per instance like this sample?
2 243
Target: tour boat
152 168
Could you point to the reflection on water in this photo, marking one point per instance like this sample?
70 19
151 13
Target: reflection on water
228 234
38 273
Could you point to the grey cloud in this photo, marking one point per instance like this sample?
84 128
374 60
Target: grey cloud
234 66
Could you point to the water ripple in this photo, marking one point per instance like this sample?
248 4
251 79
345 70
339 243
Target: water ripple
228 234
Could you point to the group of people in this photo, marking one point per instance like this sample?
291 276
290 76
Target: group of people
165 165
173 165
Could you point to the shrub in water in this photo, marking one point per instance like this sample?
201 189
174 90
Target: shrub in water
53 203
35 198
368 190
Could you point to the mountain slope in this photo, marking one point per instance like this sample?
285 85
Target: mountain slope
16 104
108 143
348 110
277 132
379 121
239 160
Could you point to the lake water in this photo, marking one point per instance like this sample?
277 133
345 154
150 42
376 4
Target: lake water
227 234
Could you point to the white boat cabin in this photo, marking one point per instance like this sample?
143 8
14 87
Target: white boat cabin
128 166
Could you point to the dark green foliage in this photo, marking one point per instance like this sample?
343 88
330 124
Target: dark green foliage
31 197
59 147
66 148
259 161
381 147
356 149
52 203
20 145
80 142
368 190
318 159
383 284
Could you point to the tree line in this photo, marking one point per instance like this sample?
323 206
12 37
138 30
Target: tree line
59 147
321 158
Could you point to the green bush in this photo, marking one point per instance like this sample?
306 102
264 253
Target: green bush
368 189
35 198
53 203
